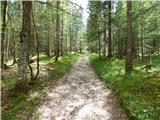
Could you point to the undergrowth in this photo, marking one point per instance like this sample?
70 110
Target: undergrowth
21 106
138 92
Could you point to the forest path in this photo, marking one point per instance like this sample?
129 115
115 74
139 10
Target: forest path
80 95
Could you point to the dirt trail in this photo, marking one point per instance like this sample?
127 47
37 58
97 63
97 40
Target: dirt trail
80 95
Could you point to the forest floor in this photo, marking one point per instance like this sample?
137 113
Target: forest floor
80 95
15 106
67 91
138 93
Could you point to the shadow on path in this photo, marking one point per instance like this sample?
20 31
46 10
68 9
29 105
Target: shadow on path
80 95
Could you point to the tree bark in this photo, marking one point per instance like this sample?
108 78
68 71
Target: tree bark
105 42
99 46
129 50
109 31
7 45
25 36
80 46
57 30
48 36
3 32
61 37
14 48
70 40
66 46
142 56
120 47
48 42
105 30
75 42
154 42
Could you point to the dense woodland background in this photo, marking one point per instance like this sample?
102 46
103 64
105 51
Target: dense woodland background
123 35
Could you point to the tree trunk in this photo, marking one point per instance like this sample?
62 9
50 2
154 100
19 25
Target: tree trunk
48 41
57 30
105 36
109 31
120 47
154 38
48 36
142 56
99 46
66 47
105 43
80 46
94 46
129 50
3 32
14 48
75 42
7 45
25 36
61 37
70 41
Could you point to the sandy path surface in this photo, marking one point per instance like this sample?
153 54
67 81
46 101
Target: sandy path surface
80 95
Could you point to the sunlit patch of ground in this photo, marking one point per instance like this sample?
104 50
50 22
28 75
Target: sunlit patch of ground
80 95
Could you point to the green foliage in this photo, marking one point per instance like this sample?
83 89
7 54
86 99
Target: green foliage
145 22
94 21
6 84
19 107
44 58
61 66
138 93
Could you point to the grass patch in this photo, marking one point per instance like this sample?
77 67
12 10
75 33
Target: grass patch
6 84
61 67
43 57
138 92
22 106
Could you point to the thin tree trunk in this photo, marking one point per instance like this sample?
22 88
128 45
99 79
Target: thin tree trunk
105 42
66 47
48 36
70 41
5 44
62 37
3 32
14 48
105 30
142 56
8 44
129 50
120 47
75 43
154 38
57 30
48 42
80 46
95 49
99 46
109 31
